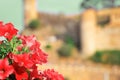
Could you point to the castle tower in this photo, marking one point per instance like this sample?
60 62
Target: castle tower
88 32
30 11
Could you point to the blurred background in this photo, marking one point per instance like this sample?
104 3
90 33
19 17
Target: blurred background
81 37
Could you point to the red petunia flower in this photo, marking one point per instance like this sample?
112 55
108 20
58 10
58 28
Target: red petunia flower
35 74
11 31
28 40
22 60
48 74
20 72
35 46
52 75
5 69
7 30
38 57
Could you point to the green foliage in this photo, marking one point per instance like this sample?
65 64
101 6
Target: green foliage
11 46
69 41
107 57
97 56
98 4
34 24
4 48
66 49
48 46
14 43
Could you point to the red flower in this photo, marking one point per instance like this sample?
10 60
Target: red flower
10 31
20 72
5 69
7 30
35 74
35 46
39 57
52 75
45 75
22 60
29 40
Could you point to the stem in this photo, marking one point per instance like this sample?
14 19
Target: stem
7 79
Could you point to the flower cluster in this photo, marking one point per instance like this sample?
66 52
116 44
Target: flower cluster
19 55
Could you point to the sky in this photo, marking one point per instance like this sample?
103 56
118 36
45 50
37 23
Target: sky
11 11
59 6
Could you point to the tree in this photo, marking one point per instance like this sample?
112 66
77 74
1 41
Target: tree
98 4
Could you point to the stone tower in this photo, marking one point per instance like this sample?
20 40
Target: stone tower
88 32
30 11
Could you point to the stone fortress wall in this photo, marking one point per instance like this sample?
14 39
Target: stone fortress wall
92 30
103 27
95 30
108 37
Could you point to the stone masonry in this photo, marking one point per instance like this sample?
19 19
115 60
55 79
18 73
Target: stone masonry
98 30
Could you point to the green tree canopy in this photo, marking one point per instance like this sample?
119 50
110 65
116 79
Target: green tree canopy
99 4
